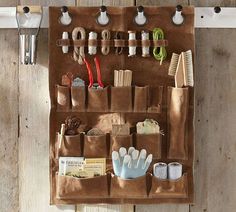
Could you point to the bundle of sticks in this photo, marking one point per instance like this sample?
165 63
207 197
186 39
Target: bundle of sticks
122 78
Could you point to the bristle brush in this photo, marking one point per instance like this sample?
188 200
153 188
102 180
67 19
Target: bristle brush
173 64
188 68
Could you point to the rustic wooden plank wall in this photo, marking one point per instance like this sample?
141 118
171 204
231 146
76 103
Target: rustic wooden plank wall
8 118
215 100
24 92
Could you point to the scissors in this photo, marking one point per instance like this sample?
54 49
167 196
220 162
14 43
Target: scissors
90 74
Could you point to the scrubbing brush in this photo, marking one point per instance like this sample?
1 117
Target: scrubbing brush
173 64
188 68
181 67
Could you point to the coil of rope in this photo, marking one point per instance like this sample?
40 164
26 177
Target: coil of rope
159 52
106 35
78 53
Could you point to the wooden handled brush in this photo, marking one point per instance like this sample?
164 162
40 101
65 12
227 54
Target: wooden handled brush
181 67
188 68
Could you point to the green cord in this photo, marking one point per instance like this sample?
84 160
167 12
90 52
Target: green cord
159 52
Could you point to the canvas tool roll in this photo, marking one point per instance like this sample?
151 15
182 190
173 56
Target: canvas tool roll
151 95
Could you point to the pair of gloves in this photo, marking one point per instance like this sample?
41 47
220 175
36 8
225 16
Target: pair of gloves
131 164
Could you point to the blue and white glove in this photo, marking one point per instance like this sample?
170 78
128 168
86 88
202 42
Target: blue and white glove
132 164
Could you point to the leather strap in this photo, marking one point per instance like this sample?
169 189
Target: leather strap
92 42
120 43
115 43
106 43
133 43
159 43
63 42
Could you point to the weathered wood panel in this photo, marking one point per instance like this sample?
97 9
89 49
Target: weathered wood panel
9 118
105 2
215 121
105 208
34 138
213 3
161 2
215 75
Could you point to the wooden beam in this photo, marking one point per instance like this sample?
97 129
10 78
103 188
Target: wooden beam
215 102
9 121
34 138
213 3
9 191
161 2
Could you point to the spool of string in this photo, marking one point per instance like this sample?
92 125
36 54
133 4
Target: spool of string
145 49
132 49
92 50
78 33
106 35
159 52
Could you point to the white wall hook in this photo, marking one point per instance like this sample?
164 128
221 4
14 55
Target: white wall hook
65 18
103 18
178 18
140 19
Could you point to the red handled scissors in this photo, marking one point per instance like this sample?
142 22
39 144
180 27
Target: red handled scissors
90 74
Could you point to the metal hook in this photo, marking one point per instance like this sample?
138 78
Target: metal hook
103 18
28 41
178 18
140 19
65 18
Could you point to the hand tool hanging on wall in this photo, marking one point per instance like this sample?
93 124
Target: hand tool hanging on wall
27 17
181 67
90 74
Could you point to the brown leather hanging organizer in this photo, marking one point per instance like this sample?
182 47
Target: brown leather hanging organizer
152 96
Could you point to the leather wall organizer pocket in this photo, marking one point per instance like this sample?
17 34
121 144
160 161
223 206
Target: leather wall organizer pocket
169 188
150 142
72 188
140 99
128 188
78 98
121 99
178 103
118 141
63 98
70 146
95 146
155 99
97 100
